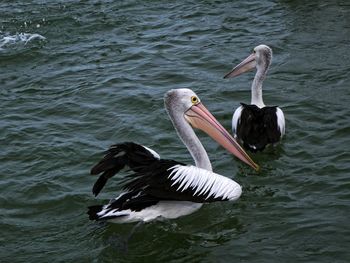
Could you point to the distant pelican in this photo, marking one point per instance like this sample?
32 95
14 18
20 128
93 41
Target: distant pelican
257 125
166 188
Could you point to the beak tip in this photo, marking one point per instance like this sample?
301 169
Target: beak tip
227 75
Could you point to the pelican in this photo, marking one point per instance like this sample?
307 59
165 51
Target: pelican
167 188
257 125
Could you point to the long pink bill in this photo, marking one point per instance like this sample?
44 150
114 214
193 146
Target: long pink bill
199 117
248 64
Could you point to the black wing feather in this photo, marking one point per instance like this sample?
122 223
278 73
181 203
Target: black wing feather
117 157
149 183
258 127
156 182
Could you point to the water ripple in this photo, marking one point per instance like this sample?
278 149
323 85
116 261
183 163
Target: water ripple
80 76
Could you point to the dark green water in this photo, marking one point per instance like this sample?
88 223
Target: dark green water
99 77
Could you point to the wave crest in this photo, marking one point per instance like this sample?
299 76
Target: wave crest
8 40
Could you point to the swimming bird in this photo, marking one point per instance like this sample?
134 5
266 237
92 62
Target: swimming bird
257 125
167 188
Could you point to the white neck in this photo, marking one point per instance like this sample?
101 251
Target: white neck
257 88
190 139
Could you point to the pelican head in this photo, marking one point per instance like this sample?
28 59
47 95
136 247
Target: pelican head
185 104
259 59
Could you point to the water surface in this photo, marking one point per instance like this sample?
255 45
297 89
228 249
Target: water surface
77 77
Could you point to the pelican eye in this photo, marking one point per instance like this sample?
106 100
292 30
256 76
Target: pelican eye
194 100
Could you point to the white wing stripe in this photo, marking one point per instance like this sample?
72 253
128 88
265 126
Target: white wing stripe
235 119
204 182
280 121
213 190
205 188
182 185
199 185
189 182
153 152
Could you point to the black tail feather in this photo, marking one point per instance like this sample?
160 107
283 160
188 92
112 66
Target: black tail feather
102 180
93 210
99 184
117 157
110 161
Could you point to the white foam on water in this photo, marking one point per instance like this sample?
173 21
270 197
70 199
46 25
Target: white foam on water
6 40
